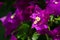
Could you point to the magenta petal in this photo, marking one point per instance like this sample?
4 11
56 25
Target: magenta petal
54 7
10 24
3 19
40 19
18 14
13 37
55 33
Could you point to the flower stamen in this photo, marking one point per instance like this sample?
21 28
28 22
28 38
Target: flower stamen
36 20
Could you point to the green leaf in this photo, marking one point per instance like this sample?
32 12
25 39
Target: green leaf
51 17
57 18
22 31
48 38
35 36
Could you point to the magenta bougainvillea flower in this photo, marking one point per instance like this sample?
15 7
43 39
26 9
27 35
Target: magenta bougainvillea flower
10 23
40 20
24 15
55 33
54 7
25 8
13 37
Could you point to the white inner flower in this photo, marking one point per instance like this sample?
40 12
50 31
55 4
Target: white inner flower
55 2
12 16
35 22
36 19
